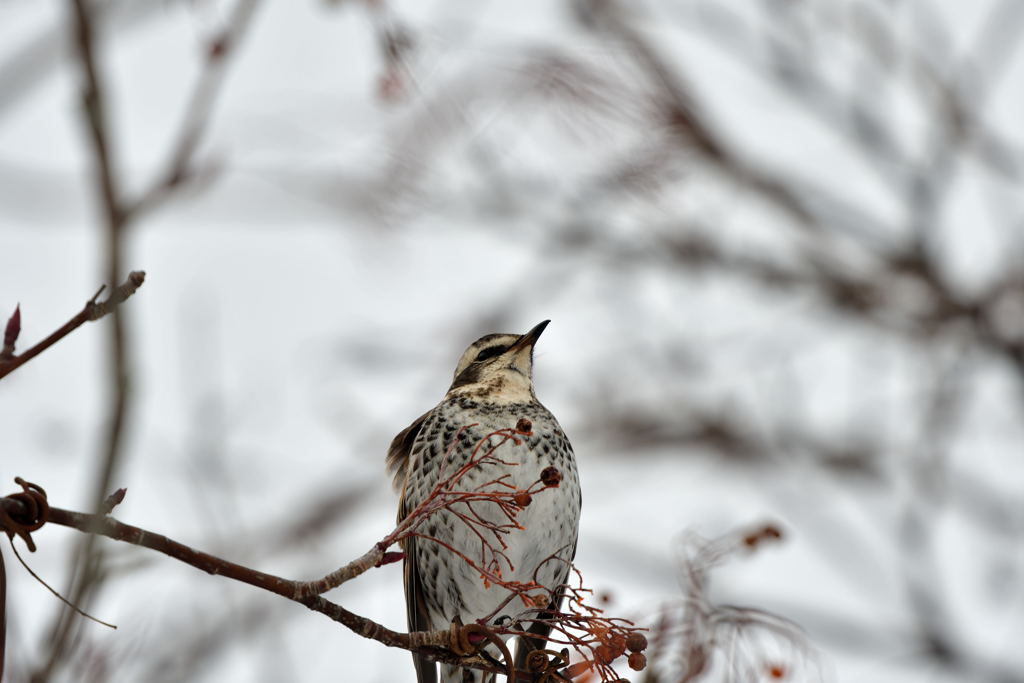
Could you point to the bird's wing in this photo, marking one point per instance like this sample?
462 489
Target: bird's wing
416 608
398 454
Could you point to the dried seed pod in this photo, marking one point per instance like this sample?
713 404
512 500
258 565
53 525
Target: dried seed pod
524 426
636 642
604 654
550 476
618 644
522 498
637 661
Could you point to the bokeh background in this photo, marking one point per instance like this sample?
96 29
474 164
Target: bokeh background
781 243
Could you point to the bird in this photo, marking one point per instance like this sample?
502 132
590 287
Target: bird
492 390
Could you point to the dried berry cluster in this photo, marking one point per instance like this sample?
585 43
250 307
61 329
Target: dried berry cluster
615 643
598 639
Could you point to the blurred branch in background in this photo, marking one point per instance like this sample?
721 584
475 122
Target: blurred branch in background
42 56
901 285
908 109
118 211
791 235
698 639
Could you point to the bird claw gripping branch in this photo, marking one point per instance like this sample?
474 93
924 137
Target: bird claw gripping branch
470 639
36 512
546 665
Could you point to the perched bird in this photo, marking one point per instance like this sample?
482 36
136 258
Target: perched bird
492 389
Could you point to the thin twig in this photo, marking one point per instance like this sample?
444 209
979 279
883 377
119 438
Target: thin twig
54 591
93 310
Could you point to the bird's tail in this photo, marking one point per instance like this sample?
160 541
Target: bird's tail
456 674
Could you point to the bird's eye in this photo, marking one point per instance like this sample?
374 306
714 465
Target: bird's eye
490 352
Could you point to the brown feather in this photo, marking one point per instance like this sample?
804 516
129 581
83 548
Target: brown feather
397 460
416 608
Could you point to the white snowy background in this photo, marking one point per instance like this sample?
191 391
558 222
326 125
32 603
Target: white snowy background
366 217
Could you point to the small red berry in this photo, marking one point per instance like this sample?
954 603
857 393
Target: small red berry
618 644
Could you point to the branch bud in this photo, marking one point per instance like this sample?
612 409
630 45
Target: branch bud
11 332
113 500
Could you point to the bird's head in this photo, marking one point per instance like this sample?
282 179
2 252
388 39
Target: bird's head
498 367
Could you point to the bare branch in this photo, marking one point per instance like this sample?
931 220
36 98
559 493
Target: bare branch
458 645
93 310
601 639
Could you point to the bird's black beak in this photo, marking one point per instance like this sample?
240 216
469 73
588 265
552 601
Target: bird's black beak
530 338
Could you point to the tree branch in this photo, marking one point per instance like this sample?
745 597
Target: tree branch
93 310
598 638
435 645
